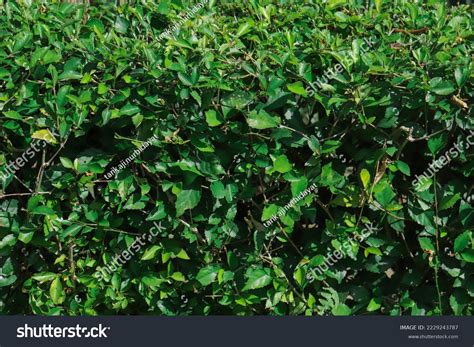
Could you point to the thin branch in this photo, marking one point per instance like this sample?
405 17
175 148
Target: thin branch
39 178
294 130
21 194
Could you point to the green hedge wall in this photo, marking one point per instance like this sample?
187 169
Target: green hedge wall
236 157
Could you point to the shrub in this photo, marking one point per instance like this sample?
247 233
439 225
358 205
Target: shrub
265 159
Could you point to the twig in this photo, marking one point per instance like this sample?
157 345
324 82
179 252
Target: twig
72 264
193 229
436 266
55 154
21 194
324 207
290 240
22 183
108 229
296 131
411 31
39 178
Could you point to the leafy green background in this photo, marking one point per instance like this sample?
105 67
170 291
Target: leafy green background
240 134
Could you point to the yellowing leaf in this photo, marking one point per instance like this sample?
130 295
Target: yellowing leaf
365 178
378 5
44 135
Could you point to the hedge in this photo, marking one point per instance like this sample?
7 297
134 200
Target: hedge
236 157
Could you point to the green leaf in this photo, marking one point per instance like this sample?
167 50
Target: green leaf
129 110
8 281
461 75
213 119
425 184
182 255
121 25
298 185
257 278
51 57
26 237
230 192
56 292
238 99
314 144
207 274
468 255
44 210
218 189
374 304
269 211
164 7
67 163
262 120
437 142
383 193
44 135
466 214
70 75
365 178
157 213
21 40
440 87
403 167
448 201
462 241
150 252
297 88
44 276
13 115
341 310
298 275
282 164
333 4
187 199
178 276
378 5
372 250
244 28
426 244
186 79
330 177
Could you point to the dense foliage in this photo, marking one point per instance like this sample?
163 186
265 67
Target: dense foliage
251 104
